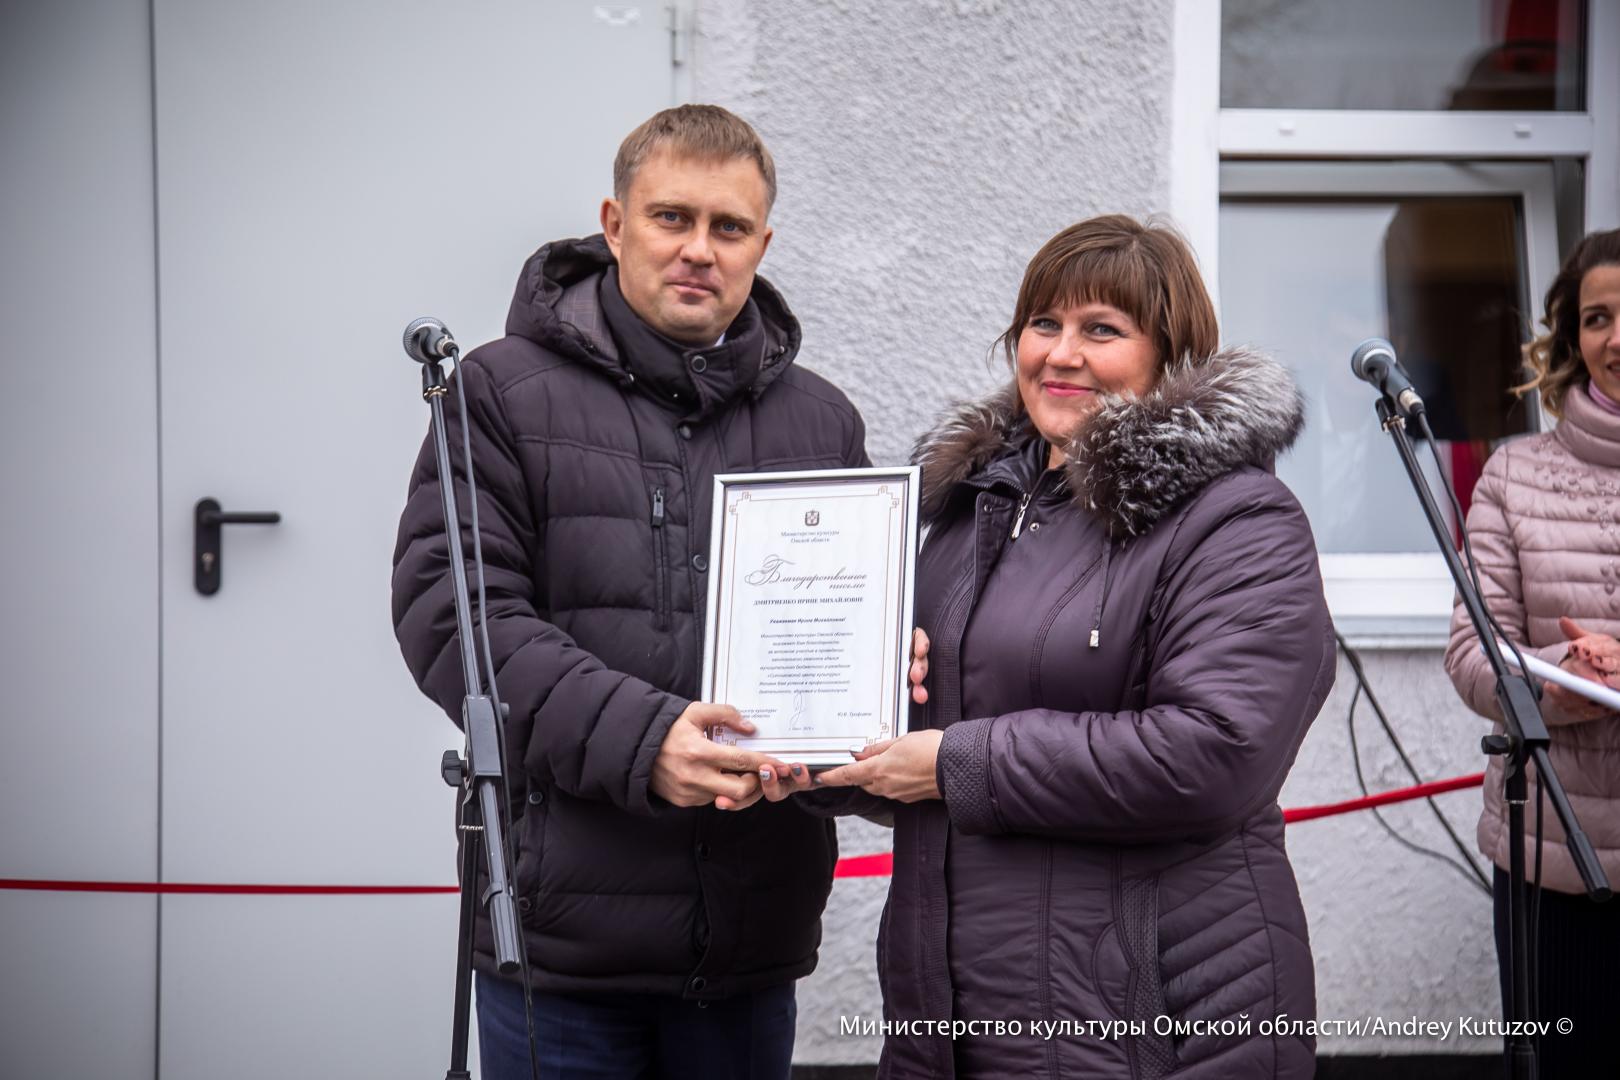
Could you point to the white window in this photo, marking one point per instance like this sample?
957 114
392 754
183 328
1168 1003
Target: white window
1442 258
1426 56
1411 171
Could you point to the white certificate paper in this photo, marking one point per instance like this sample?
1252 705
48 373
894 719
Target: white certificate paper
810 608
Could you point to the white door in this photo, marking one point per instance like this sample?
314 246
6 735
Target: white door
325 172
78 541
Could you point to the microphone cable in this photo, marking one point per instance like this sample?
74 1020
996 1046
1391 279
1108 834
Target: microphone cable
1466 867
1531 949
1468 554
509 839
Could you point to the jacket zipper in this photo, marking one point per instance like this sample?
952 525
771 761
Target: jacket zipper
700 596
660 563
1018 522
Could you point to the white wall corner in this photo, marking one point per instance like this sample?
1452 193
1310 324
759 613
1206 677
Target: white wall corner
718 65
1603 104
680 16
1195 102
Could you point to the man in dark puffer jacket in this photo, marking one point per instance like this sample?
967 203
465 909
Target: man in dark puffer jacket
665 915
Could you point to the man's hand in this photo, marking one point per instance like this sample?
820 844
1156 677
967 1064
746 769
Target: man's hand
693 770
901 769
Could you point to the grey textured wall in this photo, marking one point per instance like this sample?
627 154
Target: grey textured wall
925 149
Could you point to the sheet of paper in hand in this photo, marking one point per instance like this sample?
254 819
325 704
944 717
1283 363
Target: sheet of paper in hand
1535 665
811 577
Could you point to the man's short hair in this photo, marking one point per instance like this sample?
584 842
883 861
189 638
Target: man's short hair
706 132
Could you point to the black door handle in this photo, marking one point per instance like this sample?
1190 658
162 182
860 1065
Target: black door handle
206 558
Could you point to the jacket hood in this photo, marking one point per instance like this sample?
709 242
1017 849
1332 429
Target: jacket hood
555 305
1137 458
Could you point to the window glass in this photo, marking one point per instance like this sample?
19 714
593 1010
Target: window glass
1308 278
1516 55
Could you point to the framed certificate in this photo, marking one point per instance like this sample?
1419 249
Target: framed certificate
811 576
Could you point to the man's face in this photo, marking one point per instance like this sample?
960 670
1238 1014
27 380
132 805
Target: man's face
688 235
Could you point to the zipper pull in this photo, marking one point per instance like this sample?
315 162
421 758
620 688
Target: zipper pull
1018 522
658 508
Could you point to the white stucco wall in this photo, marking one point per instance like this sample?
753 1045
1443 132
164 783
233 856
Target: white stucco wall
925 149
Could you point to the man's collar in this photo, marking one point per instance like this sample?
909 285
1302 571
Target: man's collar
692 379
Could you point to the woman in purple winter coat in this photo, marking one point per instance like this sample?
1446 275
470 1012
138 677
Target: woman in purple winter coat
1128 640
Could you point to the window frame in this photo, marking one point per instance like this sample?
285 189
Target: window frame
1387 600
1405 598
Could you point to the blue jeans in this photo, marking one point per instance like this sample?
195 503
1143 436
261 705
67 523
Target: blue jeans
635 1036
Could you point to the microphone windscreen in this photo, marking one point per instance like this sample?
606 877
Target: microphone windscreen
1368 356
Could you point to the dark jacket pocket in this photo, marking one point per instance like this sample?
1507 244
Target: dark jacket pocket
1155 1054
530 830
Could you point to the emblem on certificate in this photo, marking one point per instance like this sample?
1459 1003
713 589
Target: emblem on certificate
810 608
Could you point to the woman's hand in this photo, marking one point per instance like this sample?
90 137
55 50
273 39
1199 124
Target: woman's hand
1600 652
1591 656
777 781
901 769
919 666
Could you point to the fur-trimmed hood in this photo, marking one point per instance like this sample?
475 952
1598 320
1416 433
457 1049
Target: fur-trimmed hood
1137 458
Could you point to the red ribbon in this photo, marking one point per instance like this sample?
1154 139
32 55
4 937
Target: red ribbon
880 864
1420 791
172 888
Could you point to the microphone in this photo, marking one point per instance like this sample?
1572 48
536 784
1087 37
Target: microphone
427 341
1374 362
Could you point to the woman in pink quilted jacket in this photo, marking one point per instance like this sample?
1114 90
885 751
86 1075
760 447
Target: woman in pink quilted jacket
1545 527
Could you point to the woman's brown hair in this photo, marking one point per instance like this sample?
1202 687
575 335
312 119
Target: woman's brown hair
1146 271
1554 358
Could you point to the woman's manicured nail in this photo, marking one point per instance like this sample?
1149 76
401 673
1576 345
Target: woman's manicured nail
765 773
798 770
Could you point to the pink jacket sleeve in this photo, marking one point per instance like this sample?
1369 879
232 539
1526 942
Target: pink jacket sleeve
1497 558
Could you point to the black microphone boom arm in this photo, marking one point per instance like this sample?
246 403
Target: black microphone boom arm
1525 741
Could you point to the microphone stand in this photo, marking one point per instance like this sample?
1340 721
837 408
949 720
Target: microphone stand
478 775
1524 741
